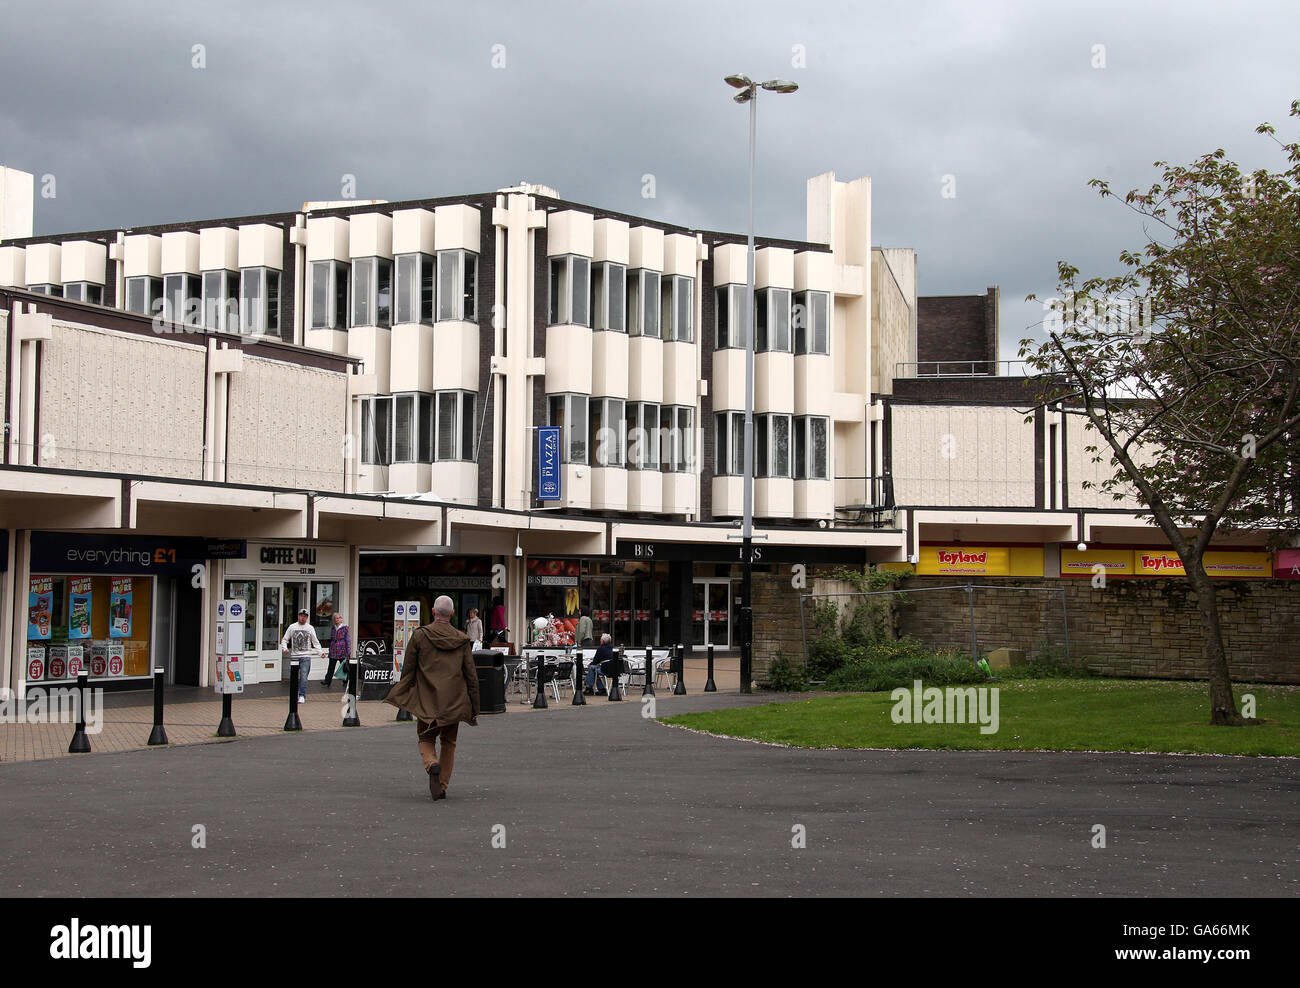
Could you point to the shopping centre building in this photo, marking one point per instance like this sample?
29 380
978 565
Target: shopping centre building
350 405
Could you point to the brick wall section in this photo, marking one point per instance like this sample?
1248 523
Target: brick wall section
776 616
1131 628
1138 628
957 327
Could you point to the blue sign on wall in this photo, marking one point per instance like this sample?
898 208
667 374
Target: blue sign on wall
548 463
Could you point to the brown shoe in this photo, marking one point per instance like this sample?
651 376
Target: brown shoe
442 794
435 784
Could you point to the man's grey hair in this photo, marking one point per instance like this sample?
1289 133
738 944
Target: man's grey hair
443 607
605 639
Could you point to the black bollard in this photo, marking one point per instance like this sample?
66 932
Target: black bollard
680 688
539 701
292 723
226 729
649 688
158 735
710 686
352 717
80 743
579 699
616 668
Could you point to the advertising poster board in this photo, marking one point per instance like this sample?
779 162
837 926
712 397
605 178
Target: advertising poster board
406 618
80 602
58 667
119 608
40 607
35 662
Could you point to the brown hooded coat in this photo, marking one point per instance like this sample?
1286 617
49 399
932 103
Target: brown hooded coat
439 680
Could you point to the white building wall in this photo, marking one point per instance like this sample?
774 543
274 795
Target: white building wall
122 403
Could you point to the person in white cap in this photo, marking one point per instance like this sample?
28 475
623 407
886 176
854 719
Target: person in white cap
300 642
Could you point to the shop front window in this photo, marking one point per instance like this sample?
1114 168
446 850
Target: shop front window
102 624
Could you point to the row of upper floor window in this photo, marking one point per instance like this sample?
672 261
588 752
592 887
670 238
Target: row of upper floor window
410 288
614 432
784 445
640 435
608 296
423 288
419 428
362 293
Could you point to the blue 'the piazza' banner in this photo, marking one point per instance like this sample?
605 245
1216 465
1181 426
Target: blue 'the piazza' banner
548 463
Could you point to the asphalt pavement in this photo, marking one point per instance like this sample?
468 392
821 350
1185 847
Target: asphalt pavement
599 800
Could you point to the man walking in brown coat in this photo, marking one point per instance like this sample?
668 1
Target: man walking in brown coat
439 688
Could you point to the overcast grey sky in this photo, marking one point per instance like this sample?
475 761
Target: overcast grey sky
593 96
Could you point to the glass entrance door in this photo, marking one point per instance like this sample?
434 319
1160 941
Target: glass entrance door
280 603
711 613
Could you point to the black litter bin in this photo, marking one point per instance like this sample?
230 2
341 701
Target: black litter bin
491 681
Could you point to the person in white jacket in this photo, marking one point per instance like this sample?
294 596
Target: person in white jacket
300 642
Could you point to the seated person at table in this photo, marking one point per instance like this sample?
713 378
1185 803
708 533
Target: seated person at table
598 661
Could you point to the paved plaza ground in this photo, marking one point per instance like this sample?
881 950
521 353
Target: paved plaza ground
600 800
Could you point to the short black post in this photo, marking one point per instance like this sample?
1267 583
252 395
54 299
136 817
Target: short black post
710 686
80 743
351 715
539 701
579 698
226 729
292 723
158 735
649 688
616 668
680 688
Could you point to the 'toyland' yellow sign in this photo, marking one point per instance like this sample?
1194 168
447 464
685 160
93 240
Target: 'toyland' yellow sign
972 560
1218 562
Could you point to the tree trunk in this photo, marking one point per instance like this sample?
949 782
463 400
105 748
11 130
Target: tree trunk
1223 706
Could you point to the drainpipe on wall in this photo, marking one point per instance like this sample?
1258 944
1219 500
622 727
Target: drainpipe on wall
298 237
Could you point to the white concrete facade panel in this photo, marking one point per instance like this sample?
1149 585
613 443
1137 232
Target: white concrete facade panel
121 403
180 253
774 267
774 382
609 364
611 240
681 374
45 264
219 248
645 362
456 227
570 231
261 245
568 359
729 380
811 395
13 267
646 248
455 357
83 260
680 255
413 231
287 426
412 355
370 235
327 238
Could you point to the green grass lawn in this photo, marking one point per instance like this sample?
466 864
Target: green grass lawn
1033 714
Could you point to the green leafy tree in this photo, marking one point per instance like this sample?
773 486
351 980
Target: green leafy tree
1187 365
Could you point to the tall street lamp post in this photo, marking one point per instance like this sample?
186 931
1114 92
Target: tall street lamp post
749 94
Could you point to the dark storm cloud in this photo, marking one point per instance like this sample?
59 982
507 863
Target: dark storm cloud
594 96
